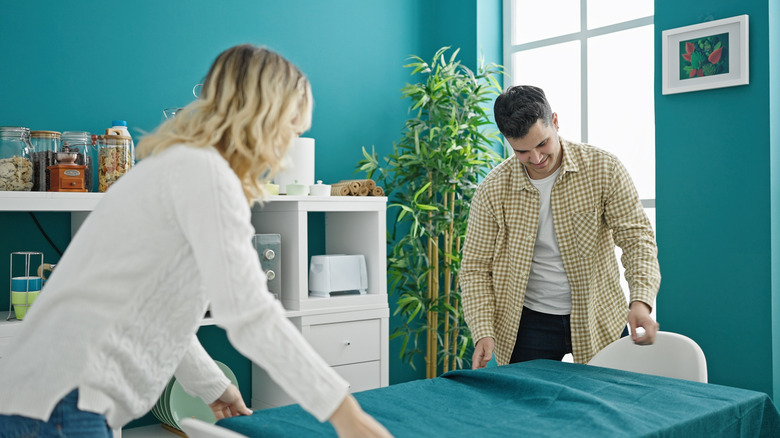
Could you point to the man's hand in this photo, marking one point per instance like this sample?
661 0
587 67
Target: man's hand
483 352
229 404
639 316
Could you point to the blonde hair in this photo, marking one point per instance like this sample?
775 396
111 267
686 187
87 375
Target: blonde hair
252 105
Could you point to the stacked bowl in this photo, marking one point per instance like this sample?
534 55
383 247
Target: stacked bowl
24 292
175 404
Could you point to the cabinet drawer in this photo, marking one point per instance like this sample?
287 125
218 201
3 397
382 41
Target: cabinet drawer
346 342
267 394
361 376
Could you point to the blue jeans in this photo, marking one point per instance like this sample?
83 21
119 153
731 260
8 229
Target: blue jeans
66 421
543 336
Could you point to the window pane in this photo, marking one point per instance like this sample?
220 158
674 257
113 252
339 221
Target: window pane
542 68
536 20
621 117
605 12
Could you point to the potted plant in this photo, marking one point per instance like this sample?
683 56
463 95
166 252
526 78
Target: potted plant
430 177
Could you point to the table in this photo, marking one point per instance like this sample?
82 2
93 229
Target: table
542 398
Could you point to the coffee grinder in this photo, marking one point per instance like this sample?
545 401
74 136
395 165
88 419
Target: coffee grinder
66 175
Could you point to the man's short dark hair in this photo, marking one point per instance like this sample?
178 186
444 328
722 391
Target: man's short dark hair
520 107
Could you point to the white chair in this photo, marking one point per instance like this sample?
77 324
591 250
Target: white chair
195 428
671 355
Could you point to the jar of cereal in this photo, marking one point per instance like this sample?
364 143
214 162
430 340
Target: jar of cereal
16 167
81 143
46 144
115 157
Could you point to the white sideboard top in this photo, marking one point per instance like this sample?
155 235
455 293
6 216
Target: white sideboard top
67 201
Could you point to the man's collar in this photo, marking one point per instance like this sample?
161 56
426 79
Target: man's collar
569 164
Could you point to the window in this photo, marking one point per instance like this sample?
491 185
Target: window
594 60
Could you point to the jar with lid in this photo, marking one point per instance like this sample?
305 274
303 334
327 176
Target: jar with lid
16 167
46 144
81 143
115 157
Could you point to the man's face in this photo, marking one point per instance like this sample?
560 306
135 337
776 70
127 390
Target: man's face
540 150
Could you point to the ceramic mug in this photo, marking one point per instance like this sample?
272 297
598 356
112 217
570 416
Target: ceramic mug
45 270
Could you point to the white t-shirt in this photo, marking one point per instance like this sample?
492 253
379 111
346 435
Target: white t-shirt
548 288
118 316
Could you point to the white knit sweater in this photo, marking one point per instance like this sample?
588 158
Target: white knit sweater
118 316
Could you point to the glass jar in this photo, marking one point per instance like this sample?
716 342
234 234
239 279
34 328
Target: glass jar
81 143
46 144
16 167
115 158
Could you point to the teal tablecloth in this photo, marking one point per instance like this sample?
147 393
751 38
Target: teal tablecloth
542 399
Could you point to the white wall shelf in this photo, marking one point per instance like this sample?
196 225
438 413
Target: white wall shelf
48 201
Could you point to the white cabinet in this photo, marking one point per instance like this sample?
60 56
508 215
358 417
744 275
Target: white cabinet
350 332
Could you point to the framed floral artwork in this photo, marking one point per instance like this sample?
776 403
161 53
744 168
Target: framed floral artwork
707 55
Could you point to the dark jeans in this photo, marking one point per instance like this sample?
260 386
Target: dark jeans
66 421
543 336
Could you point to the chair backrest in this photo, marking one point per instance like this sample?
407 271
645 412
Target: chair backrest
195 428
671 355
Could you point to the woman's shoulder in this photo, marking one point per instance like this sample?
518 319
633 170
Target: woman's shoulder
185 152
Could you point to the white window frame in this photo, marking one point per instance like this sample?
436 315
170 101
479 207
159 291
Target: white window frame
582 36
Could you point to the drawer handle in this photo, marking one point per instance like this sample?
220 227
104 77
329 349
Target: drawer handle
347 343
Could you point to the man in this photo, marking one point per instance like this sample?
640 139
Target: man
539 276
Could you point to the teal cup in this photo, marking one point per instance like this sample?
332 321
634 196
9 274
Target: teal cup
25 284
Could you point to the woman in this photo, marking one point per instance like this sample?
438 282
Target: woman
119 315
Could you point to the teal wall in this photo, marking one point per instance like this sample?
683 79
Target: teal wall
717 204
774 156
78 65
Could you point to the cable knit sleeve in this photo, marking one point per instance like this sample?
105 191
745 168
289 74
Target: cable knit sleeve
199 374
214 215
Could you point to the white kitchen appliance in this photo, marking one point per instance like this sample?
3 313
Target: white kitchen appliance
269 248
298 166
337 274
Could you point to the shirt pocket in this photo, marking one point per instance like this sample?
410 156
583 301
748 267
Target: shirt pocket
586 232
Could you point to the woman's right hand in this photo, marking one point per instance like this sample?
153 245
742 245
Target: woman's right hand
350 421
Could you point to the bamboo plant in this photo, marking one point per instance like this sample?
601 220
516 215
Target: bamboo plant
430 176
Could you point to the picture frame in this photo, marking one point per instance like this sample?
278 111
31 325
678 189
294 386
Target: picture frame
705 56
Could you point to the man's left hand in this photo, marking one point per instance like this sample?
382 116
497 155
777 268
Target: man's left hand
639 316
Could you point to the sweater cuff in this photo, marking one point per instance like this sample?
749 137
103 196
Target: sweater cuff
330 404
212 392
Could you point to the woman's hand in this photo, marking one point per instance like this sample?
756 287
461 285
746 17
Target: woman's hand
229 404
350 421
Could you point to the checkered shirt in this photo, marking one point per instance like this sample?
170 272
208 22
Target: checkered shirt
595 206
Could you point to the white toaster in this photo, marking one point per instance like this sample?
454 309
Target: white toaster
337 274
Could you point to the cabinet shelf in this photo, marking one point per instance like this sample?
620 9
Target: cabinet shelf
352 225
